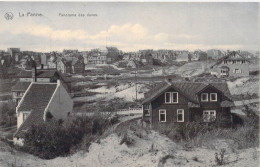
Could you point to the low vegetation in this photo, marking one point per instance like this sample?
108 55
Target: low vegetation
220 157
56 138
7 114
195 134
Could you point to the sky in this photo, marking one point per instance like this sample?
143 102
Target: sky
130 26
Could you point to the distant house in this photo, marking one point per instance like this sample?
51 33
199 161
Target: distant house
64 66
52 62
3 67
15 54
231 65
180 102
183 57
77 65
44 61
39 101
146 58
97 56
215 54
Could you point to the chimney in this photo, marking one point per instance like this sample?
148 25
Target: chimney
34 71
168 80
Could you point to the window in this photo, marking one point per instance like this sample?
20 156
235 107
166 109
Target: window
209 115
175 97
25 115
162 115
224 71
213 97
180 115
146 108
237 71
243 61
234 62
168 97
171 97
204 97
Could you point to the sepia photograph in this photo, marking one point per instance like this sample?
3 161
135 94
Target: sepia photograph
129 84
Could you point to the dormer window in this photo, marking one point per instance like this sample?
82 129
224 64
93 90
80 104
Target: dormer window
213 97
168 97
174 97
171 97
204 97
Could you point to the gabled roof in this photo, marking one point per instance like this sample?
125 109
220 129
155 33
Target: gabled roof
35 101
39 74
189 89
21 86
230 57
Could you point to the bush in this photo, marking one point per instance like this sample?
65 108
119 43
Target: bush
55 138
127 140
7 114
50 139
196 134
219 158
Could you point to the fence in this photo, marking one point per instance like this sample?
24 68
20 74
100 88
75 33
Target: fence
130 111
122 112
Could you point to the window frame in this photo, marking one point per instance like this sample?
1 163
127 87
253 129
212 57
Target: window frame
176 96
146 107
182 113
162 110
237 71
209 114
206 96
211 97
170 97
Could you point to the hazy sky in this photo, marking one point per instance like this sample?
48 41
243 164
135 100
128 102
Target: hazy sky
131 26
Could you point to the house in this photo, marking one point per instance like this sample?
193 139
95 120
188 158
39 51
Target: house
64 66
3 67
215 54
97 56
52 62
180 102
15 54
183 57
77 65
39 102
231 65
35 75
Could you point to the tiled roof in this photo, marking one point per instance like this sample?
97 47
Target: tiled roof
39 74
35 101
21 86
188 89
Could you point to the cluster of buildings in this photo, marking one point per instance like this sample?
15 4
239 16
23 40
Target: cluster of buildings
43 91
68 61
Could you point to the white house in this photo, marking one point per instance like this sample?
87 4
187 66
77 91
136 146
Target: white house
37 101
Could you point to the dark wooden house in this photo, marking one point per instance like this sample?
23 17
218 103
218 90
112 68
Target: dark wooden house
180 102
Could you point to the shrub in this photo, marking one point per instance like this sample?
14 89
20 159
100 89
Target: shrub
219 158
56 138
127 140
50 139
164 159
7 114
